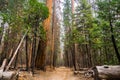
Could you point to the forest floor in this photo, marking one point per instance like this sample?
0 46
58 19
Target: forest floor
61 73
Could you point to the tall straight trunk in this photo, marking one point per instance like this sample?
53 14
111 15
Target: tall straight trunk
101 59
40 58
47 27
83 56
72 2
75 53
33 51
54 59
52 41
114 43
3 39
67 58
73 57
33 55
70 59
30 54
55 47
112 36
88 56
26 47
94 57
106 54
80 56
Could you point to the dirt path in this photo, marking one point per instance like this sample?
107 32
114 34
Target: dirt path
61 73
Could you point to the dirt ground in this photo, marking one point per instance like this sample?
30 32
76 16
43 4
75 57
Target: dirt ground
60 73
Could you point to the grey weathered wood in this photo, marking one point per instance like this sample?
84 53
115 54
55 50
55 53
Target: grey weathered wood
3 64
107 72
7 75
104 72
2 67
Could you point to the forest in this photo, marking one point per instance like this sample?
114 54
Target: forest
60 39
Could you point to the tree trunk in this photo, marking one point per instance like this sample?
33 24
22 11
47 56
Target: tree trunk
76 54
112 36
53 33
40 58
16 60
26 47
16 51
33 53
73 56
114 43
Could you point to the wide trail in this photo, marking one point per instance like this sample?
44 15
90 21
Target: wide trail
61 73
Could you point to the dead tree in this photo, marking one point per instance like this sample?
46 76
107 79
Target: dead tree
105 72
7 75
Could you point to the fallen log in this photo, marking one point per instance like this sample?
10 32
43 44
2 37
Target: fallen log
80 71
108 72
7 75
3 64
2 67
105 72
